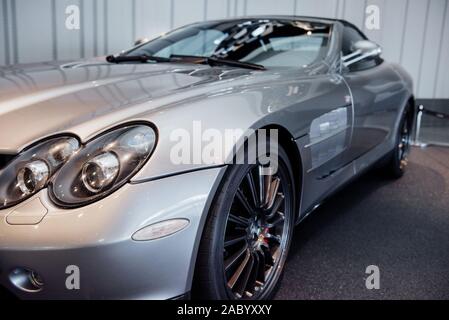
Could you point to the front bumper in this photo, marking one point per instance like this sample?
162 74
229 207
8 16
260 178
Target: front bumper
97 239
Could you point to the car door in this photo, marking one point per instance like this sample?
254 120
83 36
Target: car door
375 90
325 147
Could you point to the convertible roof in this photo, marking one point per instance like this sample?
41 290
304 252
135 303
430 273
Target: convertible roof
286 17
291 17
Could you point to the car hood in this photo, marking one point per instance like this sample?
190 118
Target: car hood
84 98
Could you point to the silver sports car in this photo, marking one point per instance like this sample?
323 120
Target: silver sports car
118 178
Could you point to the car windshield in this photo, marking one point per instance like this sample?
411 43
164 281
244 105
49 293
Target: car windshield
267 42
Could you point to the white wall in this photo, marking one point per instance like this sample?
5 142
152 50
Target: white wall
414 33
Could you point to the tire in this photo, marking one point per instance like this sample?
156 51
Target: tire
397 165
217 275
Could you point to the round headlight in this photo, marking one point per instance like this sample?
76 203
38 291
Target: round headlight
33 168
100 172
33 176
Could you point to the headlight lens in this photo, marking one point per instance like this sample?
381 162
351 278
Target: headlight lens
103 165
30 172
33 176
100 172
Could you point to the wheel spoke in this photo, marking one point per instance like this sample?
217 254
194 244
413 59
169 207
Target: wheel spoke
277 204
272 192
243 222
268 257
273 237
261 270
245 275
244 202
276 254
238 272
229 262
254 272
233 240
280 219
268 179
261 186
252 188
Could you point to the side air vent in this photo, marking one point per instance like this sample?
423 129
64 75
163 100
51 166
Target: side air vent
5 159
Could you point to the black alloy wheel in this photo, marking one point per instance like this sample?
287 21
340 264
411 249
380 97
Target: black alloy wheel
399 159
256 233
247 236
404 142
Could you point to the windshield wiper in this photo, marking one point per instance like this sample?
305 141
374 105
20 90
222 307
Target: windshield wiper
213 61
140 58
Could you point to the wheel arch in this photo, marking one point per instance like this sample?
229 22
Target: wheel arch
408 102
411 103
410 106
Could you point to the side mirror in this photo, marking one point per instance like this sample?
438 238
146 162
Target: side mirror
362 49
140 41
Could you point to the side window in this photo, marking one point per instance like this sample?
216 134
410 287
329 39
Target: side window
351 36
